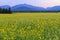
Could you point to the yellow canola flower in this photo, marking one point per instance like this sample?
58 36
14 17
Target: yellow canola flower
1 30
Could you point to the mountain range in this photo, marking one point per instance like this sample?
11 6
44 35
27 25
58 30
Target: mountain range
27 7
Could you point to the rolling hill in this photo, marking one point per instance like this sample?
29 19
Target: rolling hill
5 6
55 8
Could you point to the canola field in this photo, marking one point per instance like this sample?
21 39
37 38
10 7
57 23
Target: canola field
30 26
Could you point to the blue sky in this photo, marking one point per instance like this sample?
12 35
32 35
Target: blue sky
42 3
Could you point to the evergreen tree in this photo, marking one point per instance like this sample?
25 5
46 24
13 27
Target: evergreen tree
9 10
5 10
0 10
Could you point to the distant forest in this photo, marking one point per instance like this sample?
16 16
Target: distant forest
9 11
5 11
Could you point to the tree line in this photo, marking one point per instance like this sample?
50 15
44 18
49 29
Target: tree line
5 11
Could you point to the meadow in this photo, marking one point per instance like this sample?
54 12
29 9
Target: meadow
30 26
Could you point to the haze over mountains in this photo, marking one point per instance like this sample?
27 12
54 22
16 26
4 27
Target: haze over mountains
27 7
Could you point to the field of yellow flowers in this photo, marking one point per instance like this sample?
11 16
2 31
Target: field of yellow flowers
30 26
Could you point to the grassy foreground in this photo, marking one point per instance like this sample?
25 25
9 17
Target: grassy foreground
30 26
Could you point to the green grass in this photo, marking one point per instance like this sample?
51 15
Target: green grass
30 26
